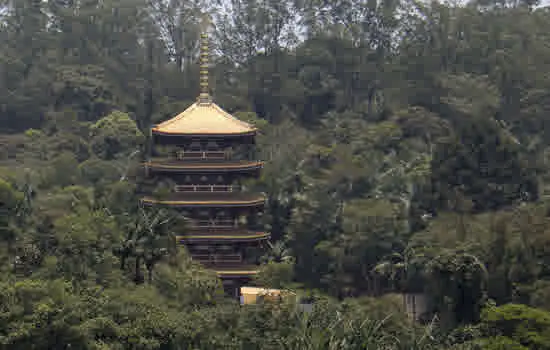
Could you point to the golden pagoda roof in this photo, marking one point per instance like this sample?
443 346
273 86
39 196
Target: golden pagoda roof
204 118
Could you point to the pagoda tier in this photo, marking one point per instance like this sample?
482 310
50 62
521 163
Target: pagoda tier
222 226
231 256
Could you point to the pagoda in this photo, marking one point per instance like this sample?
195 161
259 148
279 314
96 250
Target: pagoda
198 159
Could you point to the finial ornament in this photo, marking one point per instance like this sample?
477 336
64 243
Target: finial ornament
204 96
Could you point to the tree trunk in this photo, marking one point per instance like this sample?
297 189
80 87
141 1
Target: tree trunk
149 272
123 261
138 275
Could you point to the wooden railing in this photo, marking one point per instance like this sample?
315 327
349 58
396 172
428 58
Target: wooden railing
202 155
211 259
211 229
216 222
207 188
216 226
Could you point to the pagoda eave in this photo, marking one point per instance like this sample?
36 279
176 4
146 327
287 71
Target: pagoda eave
245 272
223 167
223 238
204 135
190 203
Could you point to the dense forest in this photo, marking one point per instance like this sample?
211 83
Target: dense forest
405 149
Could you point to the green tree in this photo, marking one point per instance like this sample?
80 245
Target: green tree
115 136
520 323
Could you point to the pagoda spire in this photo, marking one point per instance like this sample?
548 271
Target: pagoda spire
204 97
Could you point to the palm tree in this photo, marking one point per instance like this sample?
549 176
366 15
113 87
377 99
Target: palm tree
150 238
278 253
392 269
403 270
459 283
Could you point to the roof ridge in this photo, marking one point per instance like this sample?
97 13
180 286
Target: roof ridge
232 117
178 116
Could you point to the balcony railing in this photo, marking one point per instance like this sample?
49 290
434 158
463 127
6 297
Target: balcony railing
207 188
215 222
212 229
217 259
216 226
203 155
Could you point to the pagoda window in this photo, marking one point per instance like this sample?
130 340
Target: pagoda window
212 146
226 248
219 179
203 217
223 218
204 178
196 146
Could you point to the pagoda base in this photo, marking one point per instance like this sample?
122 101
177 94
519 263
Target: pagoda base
234 277
232 287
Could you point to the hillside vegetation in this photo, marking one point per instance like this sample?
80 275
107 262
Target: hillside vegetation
406 153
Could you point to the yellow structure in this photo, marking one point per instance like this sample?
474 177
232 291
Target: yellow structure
207 152
202 119
251 295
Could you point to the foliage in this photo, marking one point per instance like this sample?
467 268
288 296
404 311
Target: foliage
522 324
405 148
114 134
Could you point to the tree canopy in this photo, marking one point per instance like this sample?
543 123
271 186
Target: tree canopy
406 154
